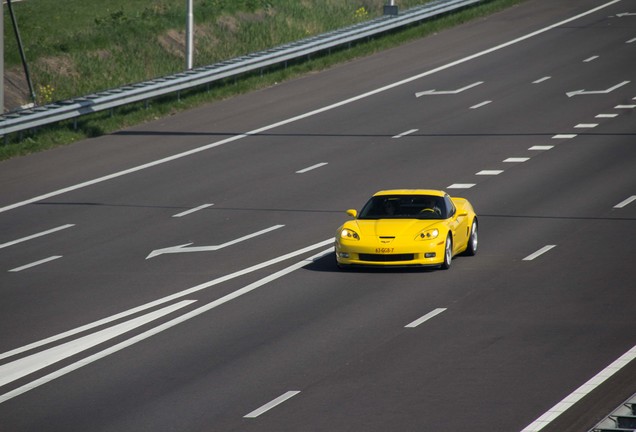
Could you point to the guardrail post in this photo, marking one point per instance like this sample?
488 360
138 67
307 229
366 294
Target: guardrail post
391 8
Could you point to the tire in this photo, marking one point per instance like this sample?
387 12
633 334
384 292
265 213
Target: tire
341 267
473 240
448 253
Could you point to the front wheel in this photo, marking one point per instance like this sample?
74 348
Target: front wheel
473 240
448 253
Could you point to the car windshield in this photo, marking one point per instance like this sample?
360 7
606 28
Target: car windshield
404 207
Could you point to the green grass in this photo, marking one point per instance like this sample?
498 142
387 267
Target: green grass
83 48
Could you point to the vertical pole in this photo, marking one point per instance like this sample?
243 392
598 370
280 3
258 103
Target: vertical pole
21 49
189 34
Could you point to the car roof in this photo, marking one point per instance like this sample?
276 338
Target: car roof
410 192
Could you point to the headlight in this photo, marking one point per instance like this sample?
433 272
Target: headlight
349 234
428 234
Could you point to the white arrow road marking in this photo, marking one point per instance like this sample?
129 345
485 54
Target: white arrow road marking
448 92
25 366
43 233
183 248
589 92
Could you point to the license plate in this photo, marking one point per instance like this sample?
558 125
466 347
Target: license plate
384 250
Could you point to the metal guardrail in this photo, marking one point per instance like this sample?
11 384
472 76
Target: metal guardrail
63 110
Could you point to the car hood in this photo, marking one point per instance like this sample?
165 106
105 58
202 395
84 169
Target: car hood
393 227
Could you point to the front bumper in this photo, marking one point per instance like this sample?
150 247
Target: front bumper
417 254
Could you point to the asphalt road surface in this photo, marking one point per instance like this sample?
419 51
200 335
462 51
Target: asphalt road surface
179 275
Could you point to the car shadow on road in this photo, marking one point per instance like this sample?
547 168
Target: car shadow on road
328 264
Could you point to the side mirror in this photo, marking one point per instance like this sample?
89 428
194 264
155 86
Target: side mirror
353 213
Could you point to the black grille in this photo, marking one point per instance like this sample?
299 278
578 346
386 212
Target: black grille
386 257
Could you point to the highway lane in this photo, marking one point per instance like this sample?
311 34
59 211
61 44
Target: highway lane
510 342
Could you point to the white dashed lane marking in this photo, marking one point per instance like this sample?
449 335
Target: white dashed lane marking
268 406
408 132
313 167
34 264
538 253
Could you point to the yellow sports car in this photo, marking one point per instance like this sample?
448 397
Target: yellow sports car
407 228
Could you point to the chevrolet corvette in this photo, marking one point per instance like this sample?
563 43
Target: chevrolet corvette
407 227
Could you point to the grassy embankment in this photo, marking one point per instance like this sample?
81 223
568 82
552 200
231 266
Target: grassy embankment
85 47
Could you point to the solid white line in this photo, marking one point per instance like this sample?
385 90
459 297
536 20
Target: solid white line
516 159
538 253
564 136
426 317
408 132
310 113
541 147
461 186
166 299
489 172
313 167
586 125
626 202
540 80
22 367
587 60
165 326
196 209
606 115
37 263
43 233
268 406
484 103
581 392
